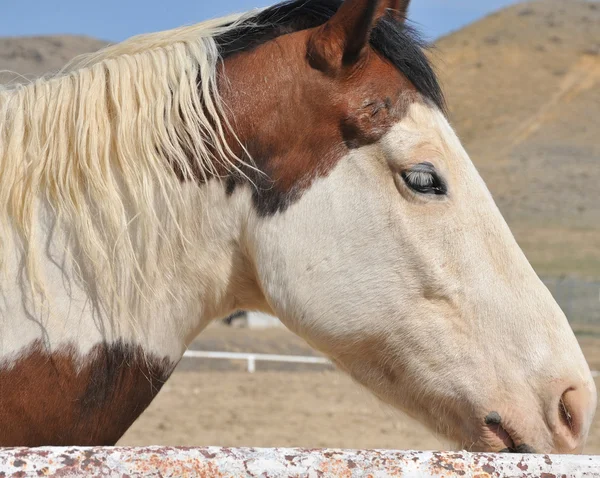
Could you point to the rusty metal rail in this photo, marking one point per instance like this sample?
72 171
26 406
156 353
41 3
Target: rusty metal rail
283 462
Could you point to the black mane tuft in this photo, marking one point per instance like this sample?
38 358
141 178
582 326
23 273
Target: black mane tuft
398 42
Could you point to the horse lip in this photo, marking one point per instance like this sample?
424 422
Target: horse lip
507 439
499 432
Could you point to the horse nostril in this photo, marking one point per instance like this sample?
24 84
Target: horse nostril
569 411
493 418
564 413
570 418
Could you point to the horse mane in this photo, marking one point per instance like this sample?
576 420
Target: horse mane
109 142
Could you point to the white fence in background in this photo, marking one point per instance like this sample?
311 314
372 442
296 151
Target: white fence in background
251 358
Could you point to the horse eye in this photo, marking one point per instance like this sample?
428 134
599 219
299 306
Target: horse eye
424 179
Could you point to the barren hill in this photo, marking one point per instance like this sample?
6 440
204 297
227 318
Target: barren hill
523 87
34 56
524 91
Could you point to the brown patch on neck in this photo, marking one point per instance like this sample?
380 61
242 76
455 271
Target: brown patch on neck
297 121
55 399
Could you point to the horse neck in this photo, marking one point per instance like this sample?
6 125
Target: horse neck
223 275
98 372
209 280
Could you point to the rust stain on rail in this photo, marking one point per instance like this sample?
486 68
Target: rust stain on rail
283 462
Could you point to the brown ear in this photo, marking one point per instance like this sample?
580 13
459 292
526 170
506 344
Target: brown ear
398 9
341 41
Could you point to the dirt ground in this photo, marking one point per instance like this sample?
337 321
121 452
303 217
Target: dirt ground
308 407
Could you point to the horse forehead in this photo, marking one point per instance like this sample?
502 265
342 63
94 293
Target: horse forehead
297 123
424 131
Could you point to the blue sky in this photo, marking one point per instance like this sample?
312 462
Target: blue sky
115 20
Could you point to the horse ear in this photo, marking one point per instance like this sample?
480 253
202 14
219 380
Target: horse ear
399 9
341 41
343 38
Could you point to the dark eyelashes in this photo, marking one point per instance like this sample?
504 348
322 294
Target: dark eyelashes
424 179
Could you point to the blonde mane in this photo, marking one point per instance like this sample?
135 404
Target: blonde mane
104 144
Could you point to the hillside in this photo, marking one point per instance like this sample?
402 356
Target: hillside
523 87
34 56
524 91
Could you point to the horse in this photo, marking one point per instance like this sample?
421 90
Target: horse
296 160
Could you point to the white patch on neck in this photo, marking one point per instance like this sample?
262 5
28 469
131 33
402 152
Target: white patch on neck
182 304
